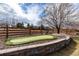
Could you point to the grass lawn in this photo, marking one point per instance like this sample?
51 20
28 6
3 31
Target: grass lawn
22 40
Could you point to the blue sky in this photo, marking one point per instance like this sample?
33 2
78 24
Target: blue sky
30 11
33 11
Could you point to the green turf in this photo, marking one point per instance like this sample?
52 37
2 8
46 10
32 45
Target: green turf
22 40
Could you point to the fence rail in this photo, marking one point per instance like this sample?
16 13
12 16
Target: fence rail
18 32
24 31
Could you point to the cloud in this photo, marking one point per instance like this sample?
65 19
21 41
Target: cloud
14 4
17 9
32 14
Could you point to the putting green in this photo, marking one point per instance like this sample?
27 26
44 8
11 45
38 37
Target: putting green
15 41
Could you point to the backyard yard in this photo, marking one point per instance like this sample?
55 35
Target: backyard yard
25 40
38 26
22 40
71 50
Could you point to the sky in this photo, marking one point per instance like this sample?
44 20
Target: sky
30 11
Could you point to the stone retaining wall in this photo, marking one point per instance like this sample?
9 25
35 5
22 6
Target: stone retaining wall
39 49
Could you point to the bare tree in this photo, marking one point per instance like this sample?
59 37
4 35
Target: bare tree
7 13
57 14
40 26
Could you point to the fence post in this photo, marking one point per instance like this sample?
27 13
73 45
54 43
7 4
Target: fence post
6 31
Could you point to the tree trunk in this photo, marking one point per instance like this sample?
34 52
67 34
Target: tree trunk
58 30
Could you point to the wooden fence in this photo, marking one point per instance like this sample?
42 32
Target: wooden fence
13 32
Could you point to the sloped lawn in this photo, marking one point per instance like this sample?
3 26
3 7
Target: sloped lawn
24 40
